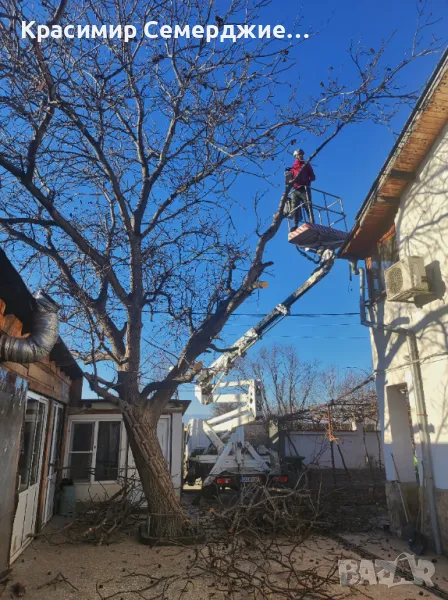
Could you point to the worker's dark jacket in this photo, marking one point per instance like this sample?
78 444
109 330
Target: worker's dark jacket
306 173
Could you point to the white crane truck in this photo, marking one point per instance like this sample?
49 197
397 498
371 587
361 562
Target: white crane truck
230 460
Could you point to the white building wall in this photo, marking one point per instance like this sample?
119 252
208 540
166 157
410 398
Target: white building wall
315 448
177 451
422 230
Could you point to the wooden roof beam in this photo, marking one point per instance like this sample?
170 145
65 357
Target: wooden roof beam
382 199
404 175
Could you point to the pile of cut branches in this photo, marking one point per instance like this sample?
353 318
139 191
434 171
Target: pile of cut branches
100 521
272 511
260 568
106 520
103 520
264 551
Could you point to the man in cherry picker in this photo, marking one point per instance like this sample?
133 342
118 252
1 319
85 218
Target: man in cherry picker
301 193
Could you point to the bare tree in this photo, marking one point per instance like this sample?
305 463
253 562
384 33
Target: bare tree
118 163
289 384
352 393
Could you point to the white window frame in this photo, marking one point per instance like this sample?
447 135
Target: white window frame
96 421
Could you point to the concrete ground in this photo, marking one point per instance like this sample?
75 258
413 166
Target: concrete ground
53 569
389 547
126 570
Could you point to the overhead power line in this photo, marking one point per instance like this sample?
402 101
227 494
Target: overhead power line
322 337
260 315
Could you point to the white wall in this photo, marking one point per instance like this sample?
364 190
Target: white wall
177 451
315 447
397 436
422 230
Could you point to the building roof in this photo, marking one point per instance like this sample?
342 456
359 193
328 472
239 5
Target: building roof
13 291
421 130
100 406
21 303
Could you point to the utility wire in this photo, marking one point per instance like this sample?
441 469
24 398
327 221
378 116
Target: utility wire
303 325
258 315
322 337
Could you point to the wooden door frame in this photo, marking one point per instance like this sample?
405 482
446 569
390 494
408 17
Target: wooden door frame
52 411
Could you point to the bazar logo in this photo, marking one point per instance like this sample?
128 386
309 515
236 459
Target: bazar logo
382 572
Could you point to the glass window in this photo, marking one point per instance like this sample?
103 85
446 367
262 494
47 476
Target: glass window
26 443
57 433
81 466
31 443
82 437
81 451
95 451
384 256
107 451
388 251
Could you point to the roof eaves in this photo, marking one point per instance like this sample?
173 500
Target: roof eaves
406 132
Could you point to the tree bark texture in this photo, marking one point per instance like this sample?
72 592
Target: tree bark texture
167 518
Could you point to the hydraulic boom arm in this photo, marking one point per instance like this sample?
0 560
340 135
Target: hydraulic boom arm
209 378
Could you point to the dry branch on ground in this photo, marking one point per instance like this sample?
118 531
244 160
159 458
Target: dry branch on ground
102 521
259 544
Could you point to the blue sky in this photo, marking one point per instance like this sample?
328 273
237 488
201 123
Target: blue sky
346 168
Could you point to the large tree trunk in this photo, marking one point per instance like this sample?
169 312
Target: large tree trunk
167 519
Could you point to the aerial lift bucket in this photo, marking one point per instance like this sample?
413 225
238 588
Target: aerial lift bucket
315 237
329 229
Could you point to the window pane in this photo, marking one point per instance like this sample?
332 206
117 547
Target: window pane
80 466
107 450
31 443
58 430
385 255
377 282
38 440
389 254
82 437
389 250
26 445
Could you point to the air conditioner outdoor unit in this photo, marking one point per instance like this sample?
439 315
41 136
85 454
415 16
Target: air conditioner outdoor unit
406 279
